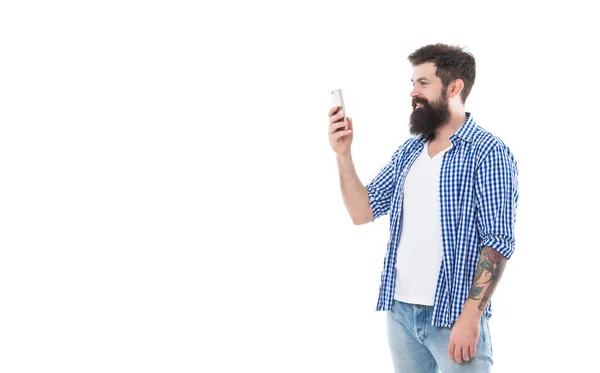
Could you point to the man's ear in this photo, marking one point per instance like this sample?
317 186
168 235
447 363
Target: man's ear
455 88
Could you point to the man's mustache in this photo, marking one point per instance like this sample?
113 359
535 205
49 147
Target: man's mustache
418 100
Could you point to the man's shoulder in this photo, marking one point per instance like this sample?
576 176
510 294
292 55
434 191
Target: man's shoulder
485 140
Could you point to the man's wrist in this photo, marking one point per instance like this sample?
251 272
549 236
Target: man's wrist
344 158
471 309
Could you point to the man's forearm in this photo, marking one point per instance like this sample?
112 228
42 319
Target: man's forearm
489 271
354 193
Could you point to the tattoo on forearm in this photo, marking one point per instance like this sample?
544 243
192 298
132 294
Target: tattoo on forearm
489 270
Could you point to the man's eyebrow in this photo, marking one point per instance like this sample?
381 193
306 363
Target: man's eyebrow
419 80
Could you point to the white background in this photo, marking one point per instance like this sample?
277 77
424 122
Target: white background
169 201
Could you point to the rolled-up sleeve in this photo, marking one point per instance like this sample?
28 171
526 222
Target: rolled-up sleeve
381 188
496 191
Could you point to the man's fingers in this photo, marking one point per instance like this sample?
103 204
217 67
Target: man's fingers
336 117
473 350
337 135
451 350
458 354
335 126
333 110
465 353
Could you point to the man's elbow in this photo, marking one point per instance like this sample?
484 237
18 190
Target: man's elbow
362 215
360 220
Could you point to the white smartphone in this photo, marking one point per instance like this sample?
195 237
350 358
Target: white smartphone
338 100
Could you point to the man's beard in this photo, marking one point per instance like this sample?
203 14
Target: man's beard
425 120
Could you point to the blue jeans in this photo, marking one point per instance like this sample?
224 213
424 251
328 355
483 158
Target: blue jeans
417 346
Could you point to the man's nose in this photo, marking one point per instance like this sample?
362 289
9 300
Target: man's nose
415 92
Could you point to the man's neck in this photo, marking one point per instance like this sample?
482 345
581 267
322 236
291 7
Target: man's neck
443 133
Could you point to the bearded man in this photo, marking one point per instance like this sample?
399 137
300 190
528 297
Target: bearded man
451 194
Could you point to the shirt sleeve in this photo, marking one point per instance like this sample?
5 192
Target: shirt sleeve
496 193
381 188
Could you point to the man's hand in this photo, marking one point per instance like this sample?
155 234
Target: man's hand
464 337
339 138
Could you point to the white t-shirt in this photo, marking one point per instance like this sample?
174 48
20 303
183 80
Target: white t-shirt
419 254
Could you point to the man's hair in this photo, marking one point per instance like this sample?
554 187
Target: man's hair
452 63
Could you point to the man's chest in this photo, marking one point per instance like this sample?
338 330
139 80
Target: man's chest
452 169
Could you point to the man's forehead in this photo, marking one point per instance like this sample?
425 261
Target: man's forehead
424 71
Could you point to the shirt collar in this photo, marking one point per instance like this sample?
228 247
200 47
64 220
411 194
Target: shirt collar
466 131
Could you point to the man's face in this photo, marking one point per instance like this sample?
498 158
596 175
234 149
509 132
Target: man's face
429 101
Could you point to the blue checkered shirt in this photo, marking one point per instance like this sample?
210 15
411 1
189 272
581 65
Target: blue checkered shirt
478 199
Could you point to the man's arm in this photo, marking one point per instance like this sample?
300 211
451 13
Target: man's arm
354 193
364 203
496 194
489 271
465 332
